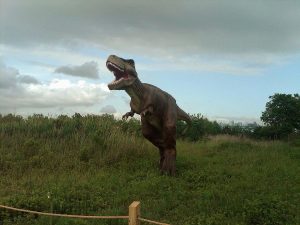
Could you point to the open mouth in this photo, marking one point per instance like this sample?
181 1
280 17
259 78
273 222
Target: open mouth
118 72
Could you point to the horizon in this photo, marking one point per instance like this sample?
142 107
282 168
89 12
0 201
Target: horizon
117 116
222 60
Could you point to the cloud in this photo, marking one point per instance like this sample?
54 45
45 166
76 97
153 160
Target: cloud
233 37
57 93
26 79
49 58
10 77
64 93
197 64
108 109
156 28
24 91
88 70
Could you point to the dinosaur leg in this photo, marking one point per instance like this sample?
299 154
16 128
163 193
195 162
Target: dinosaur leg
162 158
169 136
155 137
169 158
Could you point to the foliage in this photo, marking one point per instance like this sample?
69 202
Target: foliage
97 165
282 114
199 128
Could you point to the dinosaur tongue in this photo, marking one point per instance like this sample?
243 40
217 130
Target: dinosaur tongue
118 76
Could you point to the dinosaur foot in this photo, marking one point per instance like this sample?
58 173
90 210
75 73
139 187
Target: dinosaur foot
168 164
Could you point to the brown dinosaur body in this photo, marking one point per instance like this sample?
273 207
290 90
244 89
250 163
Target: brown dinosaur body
158 110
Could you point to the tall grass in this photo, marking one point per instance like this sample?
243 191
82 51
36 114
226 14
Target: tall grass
99 165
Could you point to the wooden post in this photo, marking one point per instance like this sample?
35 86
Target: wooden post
134 213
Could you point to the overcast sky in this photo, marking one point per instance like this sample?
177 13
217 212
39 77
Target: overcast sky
222 59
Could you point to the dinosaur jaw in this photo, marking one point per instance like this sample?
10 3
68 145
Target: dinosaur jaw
122 79
121 83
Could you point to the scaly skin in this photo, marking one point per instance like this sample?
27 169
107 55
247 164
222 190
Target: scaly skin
158 110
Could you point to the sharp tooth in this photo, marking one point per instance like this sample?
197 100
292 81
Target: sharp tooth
115 66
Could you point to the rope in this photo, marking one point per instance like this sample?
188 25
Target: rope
77 216
151 221
63 215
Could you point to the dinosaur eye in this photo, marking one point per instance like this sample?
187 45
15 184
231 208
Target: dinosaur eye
131 62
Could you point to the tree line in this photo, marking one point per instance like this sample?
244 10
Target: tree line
281 120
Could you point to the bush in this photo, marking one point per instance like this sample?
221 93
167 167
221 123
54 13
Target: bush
199 128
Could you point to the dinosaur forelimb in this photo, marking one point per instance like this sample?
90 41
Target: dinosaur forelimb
128 114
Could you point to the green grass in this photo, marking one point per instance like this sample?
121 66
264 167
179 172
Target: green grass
98 166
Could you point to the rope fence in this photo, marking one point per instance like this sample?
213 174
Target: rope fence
133 217
62 215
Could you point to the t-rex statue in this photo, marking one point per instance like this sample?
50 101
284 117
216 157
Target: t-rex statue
158 109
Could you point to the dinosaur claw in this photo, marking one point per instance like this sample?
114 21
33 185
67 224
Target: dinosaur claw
126 115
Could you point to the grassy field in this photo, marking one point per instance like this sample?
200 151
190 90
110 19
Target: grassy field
96 165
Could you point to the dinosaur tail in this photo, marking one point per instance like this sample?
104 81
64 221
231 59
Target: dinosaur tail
182 115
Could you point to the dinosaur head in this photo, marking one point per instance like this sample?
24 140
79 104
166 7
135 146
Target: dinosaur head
123 70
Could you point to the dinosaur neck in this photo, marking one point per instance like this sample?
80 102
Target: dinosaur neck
136 90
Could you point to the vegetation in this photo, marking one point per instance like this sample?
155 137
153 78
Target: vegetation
281 122
97 165
282 115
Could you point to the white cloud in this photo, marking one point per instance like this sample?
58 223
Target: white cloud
19 92
61 93
108 109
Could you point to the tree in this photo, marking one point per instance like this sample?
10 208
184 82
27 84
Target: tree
283 114
200 127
